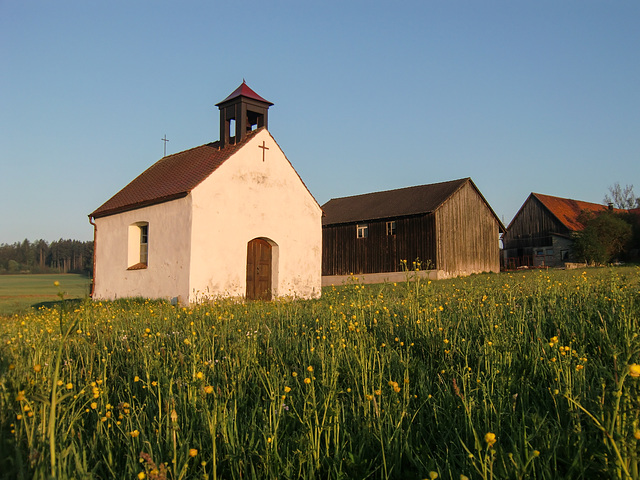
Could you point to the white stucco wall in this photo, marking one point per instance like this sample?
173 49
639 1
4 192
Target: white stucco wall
167 272
247 198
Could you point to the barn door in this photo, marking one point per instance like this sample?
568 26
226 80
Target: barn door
258 270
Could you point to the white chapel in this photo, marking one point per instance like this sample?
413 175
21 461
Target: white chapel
230 218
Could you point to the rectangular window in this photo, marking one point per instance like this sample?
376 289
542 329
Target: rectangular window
391 228
144 243
362 231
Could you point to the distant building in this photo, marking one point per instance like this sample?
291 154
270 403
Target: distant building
229 218
541 232
449 227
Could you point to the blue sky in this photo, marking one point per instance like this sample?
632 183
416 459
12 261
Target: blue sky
539 96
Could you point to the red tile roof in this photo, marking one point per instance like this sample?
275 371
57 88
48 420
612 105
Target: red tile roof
170 178
567 211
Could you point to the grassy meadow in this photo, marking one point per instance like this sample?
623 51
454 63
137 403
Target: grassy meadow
19 292
522 375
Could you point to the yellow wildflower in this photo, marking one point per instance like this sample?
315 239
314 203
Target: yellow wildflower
634 370
193 452
490 438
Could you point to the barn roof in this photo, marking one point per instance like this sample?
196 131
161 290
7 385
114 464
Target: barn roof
567 210
171 177
392 203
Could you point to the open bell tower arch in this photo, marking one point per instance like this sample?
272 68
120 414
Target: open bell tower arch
244 108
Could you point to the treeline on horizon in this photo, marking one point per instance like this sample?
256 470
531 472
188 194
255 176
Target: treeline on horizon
40 256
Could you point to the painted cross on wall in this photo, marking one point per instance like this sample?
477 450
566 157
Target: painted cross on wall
264 149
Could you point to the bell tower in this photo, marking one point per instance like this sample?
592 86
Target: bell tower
242 111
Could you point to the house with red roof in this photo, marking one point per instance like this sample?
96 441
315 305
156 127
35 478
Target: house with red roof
228 218
541 233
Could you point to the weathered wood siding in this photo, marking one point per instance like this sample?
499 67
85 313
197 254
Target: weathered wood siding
532 227
343 253
468 234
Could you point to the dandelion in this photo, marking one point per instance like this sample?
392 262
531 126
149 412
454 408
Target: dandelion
309 368
69 386
490 438
287 389
94 405
208 389
634 370
307 380
193 452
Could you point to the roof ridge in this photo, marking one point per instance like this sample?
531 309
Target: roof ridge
403 188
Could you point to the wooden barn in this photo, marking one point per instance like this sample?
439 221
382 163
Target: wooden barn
449 227
540 234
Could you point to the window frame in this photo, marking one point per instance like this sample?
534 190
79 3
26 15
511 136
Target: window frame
138 246
362 230
391 227
144 244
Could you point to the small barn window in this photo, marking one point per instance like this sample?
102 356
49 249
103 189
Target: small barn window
362 231
138 248
391 228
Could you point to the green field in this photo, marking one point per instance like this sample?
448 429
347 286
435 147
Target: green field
21 292
522 375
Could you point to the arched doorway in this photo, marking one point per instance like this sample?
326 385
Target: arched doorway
259 270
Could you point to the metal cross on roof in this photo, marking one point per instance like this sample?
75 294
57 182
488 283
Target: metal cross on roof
165 144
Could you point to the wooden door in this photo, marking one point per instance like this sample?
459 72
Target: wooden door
258 270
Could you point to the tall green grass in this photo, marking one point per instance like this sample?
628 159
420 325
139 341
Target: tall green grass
529 375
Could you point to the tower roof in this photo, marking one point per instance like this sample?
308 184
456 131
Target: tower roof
244 91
